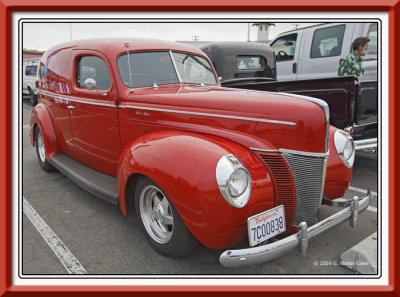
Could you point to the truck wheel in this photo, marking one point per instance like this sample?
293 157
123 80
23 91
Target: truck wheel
32 98
160 221
41 151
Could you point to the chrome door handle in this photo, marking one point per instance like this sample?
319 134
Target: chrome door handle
70 107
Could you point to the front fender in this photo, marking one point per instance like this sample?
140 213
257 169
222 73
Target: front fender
184 166
41 117
338 176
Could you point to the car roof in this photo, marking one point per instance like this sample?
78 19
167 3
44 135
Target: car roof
116 46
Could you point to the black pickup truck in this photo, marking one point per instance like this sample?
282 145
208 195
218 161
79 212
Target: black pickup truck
353 102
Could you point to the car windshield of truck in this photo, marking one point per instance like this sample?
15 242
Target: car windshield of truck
163 68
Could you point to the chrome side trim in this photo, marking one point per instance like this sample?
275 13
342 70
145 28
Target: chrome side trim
75 100
171 110
215 115
265 253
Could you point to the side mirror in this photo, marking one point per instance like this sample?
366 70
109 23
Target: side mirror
89 84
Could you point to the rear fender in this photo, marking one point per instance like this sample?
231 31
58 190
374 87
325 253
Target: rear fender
41 117
184 166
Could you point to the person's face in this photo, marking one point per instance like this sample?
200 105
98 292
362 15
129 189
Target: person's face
364 49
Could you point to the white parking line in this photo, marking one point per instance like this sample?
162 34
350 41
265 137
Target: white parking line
60 250
362 191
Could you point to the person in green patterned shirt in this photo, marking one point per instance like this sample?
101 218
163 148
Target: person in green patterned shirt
352 64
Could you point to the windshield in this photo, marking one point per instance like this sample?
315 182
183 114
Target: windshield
158 68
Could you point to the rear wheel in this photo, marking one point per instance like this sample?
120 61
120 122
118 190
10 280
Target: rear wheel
41 151
32 97
160 221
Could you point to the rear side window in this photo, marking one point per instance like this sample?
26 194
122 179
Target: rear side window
31 70
327 42
373 39
93 67
285 47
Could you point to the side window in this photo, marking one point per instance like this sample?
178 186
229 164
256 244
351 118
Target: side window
93 67
285 47
373 39
327 42
31 70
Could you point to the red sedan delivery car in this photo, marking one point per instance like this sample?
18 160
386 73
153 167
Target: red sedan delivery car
146 123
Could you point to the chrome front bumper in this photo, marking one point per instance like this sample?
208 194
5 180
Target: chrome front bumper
265 253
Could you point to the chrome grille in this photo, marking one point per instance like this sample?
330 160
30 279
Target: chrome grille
284 186
308 173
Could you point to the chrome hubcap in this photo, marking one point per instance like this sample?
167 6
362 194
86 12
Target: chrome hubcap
156 214
40 146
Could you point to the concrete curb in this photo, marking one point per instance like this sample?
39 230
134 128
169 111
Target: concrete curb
362 257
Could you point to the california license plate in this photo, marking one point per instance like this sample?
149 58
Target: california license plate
266 225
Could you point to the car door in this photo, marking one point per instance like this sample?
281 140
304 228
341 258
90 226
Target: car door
287 51
94 111
323 48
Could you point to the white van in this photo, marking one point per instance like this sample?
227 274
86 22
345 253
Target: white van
30 82
316 51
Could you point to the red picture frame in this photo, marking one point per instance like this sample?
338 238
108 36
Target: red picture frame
6 10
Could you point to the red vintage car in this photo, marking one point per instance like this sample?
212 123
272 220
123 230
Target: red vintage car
146 123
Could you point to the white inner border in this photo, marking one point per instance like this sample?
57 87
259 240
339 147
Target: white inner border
152 281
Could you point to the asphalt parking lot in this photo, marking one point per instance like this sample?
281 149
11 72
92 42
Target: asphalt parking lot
105 242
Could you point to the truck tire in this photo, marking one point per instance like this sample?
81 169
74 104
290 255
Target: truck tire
160 221
41 151
32 98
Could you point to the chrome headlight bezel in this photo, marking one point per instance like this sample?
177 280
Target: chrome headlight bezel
227 166
344 142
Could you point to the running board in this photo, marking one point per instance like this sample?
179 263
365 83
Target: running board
99 184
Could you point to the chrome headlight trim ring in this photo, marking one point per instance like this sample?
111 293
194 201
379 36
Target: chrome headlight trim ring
344 141
227 166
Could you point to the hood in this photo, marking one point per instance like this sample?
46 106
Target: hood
280 121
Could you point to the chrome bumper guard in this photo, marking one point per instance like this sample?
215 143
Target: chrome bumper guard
268 252
366 144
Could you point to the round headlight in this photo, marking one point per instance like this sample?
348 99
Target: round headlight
345 147
233 180
237 183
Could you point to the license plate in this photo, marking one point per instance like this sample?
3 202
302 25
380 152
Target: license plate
266 225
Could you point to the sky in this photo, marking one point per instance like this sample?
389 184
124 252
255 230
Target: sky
42 36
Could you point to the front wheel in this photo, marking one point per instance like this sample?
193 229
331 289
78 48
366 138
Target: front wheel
41 151
160 221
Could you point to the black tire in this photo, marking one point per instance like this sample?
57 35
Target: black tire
41 151
32 98
176 240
